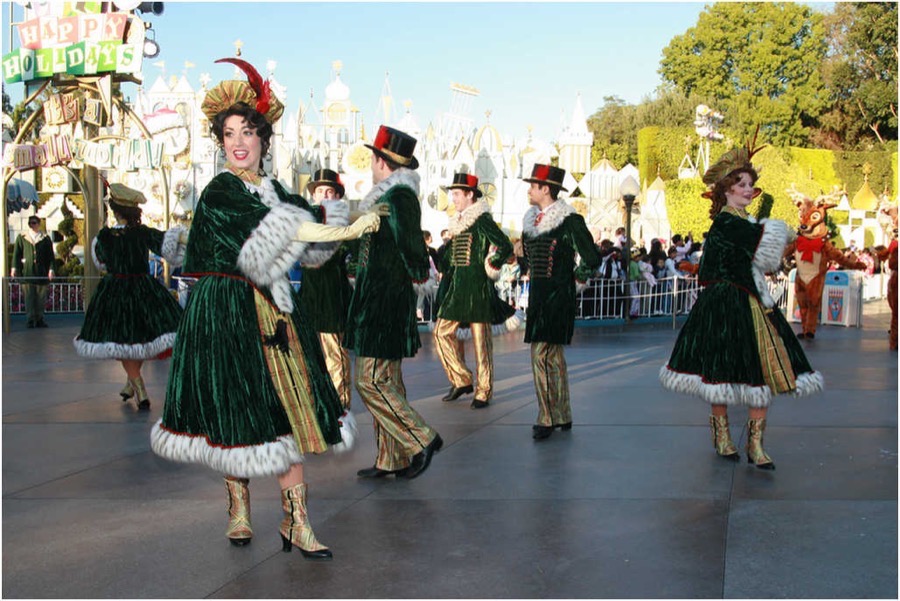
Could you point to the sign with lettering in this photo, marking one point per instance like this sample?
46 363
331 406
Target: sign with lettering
124 155
82 44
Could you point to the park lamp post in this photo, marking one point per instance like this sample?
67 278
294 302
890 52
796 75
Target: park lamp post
629 189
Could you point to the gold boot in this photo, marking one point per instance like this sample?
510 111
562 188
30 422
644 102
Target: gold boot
143 400
127 392
755 452
239 530
722 437
295 529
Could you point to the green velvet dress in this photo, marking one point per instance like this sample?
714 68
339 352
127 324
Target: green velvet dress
382 318
718 355
222 406
550 248
131 315
466 293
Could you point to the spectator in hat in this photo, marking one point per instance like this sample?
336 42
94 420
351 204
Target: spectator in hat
132 317
553 233
33 259
381 326
478 249
325 293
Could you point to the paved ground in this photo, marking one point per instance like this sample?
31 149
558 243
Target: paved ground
631 503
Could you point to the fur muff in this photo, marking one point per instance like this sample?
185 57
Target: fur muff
172 250
349 433
248 461
768 256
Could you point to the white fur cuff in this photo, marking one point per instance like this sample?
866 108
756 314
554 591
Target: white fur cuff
493 274
172 250
337 213
349 433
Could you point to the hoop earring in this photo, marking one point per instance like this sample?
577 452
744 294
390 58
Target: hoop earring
268 156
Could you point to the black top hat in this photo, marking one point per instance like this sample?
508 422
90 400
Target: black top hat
326 177
464 181
547 174
396 146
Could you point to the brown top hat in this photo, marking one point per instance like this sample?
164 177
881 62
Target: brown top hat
395 145
326 177
547 174
464 181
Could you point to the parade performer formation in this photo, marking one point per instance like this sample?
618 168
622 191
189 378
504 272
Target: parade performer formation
813 252
131 317
325 292
553 232
478 249
248 391
736 348
381 326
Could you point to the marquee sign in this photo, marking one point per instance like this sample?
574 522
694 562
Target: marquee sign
82 44
124 155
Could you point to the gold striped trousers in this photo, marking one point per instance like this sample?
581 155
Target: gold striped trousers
451 352
551 383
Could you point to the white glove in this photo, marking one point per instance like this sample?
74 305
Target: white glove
317 232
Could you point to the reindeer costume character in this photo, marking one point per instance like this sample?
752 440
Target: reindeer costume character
813 251
889 254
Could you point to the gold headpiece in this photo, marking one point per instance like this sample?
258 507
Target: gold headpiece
732 160
255 92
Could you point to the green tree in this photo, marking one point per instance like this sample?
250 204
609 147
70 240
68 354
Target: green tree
861 74
757 62
615 136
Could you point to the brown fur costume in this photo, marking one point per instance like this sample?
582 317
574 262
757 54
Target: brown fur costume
890 255
813 252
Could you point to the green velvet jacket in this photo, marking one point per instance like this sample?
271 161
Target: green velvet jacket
550 249
33 260
382 319
466 293
325 291
221 407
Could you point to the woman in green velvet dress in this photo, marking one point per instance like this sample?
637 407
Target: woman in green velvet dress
131 317
248 391
736 347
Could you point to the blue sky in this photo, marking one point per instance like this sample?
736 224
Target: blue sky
529 60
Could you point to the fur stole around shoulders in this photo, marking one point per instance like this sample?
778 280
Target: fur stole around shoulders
463 221
400 177
554 215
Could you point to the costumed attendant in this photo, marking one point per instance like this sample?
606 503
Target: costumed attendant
736 348
478 249
325 292
381 326
248 392
131 317
553 233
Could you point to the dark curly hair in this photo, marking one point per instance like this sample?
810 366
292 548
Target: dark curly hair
724 184
132 215
255 120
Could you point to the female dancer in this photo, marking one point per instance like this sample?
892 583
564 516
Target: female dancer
736 347
248 391
131 317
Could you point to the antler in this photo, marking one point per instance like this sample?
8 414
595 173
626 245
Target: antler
260 86
795 194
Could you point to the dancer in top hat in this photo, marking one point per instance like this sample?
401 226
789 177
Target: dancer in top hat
478 249
132 317
552 233
248 390
381 327
736 348
325 293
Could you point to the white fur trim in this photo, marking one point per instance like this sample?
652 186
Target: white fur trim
768 256
493 274
349 433
463 221
97 263
337 212
249 461
400 177
512 323
734 394
270 251
554 215
582 286
115 350
172 250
